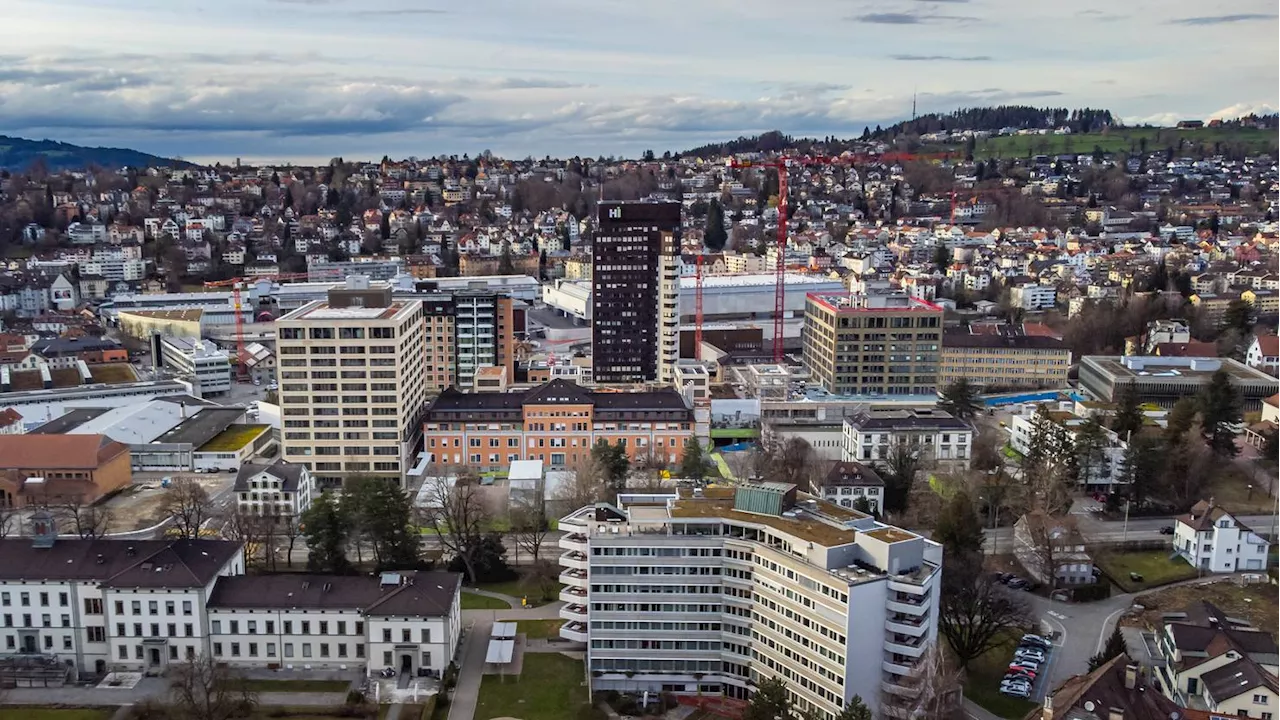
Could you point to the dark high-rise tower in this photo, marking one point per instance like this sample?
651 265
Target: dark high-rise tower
635 279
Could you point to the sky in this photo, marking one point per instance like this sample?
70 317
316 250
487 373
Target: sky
307 80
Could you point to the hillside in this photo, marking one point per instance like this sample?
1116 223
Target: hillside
20 153
1230 140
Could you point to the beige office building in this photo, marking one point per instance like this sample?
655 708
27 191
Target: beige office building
352 383
871 345
710 591
1004 358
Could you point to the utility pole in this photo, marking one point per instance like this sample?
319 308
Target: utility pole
1124 538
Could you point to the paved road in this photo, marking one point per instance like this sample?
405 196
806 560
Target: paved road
1000 540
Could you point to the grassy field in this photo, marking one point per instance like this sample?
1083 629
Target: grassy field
1122 140
550 687
516 590
27 712
307 686
539 629
1155 567
982 683
311 712
472 601
1256 603
1231 491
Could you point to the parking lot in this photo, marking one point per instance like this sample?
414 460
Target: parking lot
140 506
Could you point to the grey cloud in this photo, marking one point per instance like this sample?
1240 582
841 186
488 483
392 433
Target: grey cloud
1222 19
948 58
908 18
400 11
531 84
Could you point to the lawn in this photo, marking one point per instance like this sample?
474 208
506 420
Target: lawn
27 712
298 686
312 712
550 687
982 684
1256 603
539 629
472 601
1231 491
515 590
1155 567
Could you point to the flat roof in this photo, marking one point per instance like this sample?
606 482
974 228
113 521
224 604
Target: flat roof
234 438
840 302
188 315
202 427
1176 367
63 378
802 525
755 279
321 310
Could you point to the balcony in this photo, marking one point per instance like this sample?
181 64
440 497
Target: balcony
575 578
574 631
893 668
906 608
904 626
574 541
574 560
573 595
892 688
574 612
904 648
901 586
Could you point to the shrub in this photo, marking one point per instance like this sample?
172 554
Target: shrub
355 697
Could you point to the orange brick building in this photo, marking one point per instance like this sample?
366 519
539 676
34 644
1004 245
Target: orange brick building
41 469
557 423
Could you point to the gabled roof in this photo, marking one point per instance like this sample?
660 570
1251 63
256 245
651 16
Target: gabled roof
41 452
289 473
118 563
406 594
1233 679
1092 696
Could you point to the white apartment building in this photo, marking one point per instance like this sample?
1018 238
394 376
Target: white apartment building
274 489
106 605
352 383
709 591
1063 424
407 621
1033 296
870 436
1211 539
199 362
102 605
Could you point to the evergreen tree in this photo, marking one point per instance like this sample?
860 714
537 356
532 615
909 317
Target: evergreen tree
692 464
1128 417
1219 414
1141 467
326 529
1090 446
855 709
1115 646
505 264
614 460
958 527
960 399
771 701
382 513
715 236
1181 419
941 258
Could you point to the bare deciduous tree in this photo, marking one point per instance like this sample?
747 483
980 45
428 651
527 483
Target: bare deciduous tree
974 613
455 510
938 688
205 689
9 520
187 505
290 529
587 486
87 521
249 529
529 526
1047 542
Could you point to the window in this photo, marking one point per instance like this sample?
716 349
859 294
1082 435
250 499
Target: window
24 599
173 652
124 651
155 629
271 627
342 627
324 627
136 607
386 658
253 649
359 650
168 607
119 607
46 620
324 650
306 650
217 648
172 629
97 634
288 650
386 635
62 599
8 620
187 630
66 621
288 627
186 607
235 649
406 635
153 607
342 650
359 627
252 627
137 629
235 627
66 642
426 635
5 599
48 642
271 649
216 627
44 598
120 630
1259 699
92 606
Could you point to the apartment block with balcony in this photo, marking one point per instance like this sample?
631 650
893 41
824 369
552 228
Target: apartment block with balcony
872 344
352 383
710 591
556 423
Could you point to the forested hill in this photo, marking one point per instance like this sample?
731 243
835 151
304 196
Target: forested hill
1081 120
20 153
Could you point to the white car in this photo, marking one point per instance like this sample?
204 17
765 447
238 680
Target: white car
1032 655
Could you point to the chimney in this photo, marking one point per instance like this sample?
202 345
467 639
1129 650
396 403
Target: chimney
1130 676
1115 713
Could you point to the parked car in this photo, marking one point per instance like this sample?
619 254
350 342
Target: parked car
1031 586
1015 682
1017 692
1031 665
1017 583
1166 530
1028 654
1030 639
1020 674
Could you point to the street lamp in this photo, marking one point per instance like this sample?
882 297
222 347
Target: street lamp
1250 486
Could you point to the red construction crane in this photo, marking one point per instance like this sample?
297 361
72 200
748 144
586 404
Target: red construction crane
236 284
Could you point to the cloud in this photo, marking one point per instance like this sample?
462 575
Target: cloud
401 11
908 18
1222 19
947 58
1241 109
